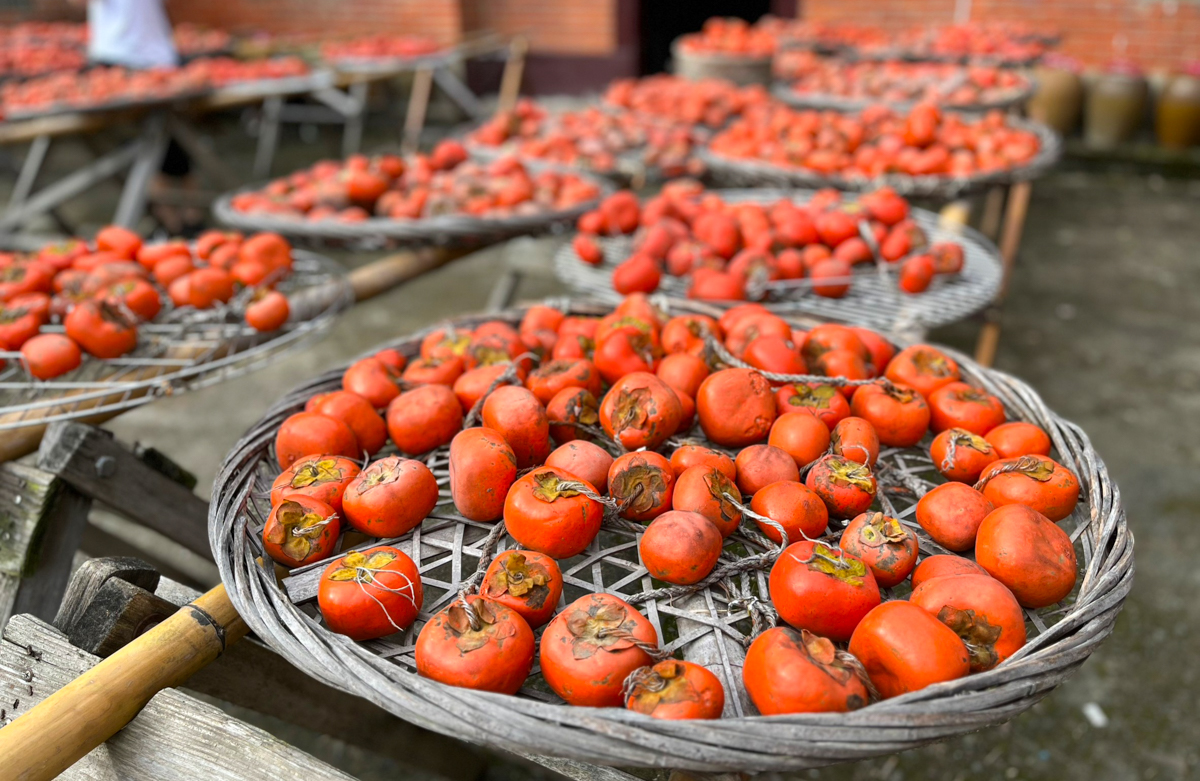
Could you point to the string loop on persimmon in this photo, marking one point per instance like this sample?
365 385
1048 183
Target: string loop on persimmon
487 552
507 377
314 526
728 358
407 590
1020 464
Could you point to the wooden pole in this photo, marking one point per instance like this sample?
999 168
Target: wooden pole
1010 243
514 71
418 105
77 718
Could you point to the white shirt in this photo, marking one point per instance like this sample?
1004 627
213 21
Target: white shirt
133 33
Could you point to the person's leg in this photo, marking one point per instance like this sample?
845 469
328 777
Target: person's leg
176 174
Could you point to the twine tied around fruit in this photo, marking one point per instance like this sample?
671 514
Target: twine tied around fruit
728 358
407 590
850 661
1022 464
653 650
506 377
487 552
762 614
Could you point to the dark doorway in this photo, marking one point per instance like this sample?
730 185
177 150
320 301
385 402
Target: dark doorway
662 21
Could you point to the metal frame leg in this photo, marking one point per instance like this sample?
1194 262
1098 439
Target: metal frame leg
458 92
152 147
418 104
268 136
30 168
353 132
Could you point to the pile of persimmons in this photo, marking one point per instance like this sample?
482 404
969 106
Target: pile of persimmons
732 251
443 182
100 292
592 138
877 141
730 37
711 102
686 431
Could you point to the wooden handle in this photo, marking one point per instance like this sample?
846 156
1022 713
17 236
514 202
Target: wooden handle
77 718
386 273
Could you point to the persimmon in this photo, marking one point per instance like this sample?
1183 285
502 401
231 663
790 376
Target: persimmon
897 412
51 355
520 418
373 380
674 689
118 240
445 343
944 564
172 269
310 433
687 417
643 484
267 311
802 436
626 350
760 465
824 402
680 547
702 489
881 350
855 439
321 477
591 647
640 410
390 497
736 407
683 372
208 287
370 594
961 455
951 514
482 469
473 384
829 337
686 334
959 405
481 645
752 326
270 249
904 649
1019 439
583 459
104 329
551 511
1034 481
571 406
884 544
923 368
847 487
793 506
528 582
433 371
786 671
1027 552
301 530
357 413
137 294
549 379
822 589
687 456
424 418
981 611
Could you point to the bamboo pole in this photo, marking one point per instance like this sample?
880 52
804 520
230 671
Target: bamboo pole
1010 244
63 728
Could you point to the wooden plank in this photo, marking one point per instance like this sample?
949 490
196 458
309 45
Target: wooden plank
98 467
41 523
175 736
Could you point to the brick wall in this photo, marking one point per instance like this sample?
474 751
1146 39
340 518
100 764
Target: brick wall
1157 34
576 27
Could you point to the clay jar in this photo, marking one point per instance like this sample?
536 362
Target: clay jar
1058 99
1116 104
1177 120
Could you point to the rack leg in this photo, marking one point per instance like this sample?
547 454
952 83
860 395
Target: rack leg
30 170
1010 243
353 131
153 146
418 104
268 136
514 70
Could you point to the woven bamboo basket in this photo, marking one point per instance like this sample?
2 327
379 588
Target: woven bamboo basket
708 623
450 230
874 300
823 101
728 172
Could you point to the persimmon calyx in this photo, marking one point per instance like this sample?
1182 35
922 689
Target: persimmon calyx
881 530
835 564
638 488
931 363
1031 466
721 488
600 627
666 681
582 408
630 410
843 470
376 475
324 471
977 634
550 487
476 623
808 396
518 577
358 566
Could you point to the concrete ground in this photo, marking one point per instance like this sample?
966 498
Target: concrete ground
1102 320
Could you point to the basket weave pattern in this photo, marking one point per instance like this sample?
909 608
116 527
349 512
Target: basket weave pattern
710 625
